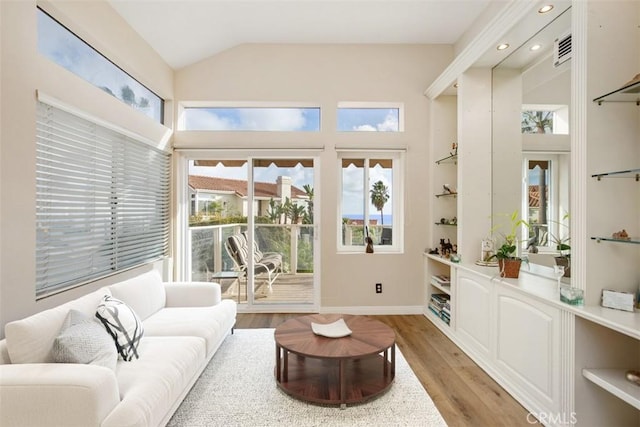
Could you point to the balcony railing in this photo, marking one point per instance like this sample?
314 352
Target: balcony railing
353 234
208 255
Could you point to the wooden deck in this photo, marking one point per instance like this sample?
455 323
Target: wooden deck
287 289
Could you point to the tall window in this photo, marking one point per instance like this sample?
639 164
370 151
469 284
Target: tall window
102 201
370 201
69 51
546 200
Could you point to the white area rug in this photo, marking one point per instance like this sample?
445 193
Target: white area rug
238 389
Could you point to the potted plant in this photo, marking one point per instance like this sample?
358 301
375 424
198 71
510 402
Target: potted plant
506 254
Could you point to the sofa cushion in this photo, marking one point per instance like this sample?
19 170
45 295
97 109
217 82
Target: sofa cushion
151 386
210 323
30 340
83 340
144 293
123 325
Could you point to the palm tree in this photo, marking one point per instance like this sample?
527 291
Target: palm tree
379 197
308 216
297 213
274 213
537 121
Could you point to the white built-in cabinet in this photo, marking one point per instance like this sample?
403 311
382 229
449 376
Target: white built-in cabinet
510 328
564 364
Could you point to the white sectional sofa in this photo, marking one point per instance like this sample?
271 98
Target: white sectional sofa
184 324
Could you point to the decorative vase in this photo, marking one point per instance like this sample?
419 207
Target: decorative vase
509 268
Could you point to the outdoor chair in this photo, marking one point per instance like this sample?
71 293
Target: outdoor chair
385 239
237 247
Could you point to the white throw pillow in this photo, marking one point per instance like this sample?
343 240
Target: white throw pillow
123 325
30 340
83 340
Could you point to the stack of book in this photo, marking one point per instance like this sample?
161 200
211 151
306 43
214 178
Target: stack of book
439 305
445 313
441 280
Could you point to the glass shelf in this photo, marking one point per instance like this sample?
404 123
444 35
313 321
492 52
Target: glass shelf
447 195
628 93
452 158
633 240
446 223
631 173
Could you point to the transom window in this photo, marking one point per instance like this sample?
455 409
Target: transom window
369 117
305 119
66 49
545 119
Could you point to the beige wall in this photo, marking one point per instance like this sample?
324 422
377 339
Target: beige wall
318 74
325 75
23 72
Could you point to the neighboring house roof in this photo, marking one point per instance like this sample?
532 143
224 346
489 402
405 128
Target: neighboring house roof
239 187
534 196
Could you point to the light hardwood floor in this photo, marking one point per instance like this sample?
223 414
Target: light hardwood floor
463 393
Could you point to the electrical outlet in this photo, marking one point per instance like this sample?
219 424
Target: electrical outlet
378 288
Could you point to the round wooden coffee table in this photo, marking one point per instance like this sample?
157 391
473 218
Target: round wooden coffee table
345 370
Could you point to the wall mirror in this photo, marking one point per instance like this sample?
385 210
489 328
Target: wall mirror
531 97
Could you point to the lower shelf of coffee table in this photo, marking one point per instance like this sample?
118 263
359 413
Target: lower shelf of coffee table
318 380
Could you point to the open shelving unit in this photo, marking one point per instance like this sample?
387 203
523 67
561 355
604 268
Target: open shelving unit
628 93
633 240
614 381
445 208
630 173
452 158
440 286
436 270
609 339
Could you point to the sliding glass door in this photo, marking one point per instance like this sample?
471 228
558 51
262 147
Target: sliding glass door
283 200
252 229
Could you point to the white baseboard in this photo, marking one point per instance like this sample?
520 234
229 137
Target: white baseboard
373 310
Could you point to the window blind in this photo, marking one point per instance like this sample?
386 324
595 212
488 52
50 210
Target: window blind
102 201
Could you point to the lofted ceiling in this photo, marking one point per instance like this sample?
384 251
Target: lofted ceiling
187 31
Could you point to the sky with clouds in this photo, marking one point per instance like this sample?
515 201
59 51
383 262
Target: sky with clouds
252 119
289 119
67 50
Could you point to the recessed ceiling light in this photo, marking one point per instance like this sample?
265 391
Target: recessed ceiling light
545 9
535 47
503 46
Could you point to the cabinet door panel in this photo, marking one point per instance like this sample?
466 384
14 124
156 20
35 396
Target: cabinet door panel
473 311
528 345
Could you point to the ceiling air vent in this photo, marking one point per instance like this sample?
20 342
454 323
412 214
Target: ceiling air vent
562 49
